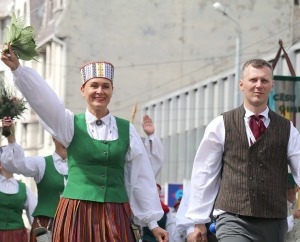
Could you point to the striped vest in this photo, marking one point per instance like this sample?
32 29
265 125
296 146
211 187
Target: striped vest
254 179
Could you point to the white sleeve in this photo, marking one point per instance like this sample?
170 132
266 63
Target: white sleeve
30 204
171 226
294 153
141 185
206 172
57 120
155 152
184 225
14 160
291 222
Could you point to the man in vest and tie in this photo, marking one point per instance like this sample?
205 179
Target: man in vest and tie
241 166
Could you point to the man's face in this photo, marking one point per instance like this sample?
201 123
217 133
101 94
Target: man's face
256 83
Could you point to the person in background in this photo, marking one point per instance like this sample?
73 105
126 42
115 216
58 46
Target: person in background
14 197
241 166
50 174
97 143
293 234
166 222
153 145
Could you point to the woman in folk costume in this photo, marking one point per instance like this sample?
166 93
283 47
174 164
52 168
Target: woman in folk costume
109 176
49 173
14 197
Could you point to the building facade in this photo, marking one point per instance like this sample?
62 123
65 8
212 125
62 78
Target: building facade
175 59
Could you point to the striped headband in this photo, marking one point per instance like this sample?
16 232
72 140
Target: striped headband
97 69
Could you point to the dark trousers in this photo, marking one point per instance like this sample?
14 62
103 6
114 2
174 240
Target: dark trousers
236 228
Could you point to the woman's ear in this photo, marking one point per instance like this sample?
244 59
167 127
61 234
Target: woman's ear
82 90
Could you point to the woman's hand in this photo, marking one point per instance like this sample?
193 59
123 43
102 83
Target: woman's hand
9 57
160 234
8 129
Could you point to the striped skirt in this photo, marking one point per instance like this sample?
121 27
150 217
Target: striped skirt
78 220
44 222
14 235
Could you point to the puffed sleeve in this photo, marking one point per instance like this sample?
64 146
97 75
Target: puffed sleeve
141 185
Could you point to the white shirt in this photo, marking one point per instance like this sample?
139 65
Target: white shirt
206 173
184 225
290 218
14 160
60 124
11 186
155 152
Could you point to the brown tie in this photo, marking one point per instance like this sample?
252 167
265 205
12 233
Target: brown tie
257 126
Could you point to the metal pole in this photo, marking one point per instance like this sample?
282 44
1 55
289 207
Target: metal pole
219 7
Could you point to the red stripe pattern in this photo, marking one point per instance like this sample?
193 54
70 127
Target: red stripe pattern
88 221
14 235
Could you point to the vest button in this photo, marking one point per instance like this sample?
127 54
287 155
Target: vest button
103 175
260 164
105 152
102 187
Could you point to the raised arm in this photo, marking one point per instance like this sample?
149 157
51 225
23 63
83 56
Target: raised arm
153 146
42 99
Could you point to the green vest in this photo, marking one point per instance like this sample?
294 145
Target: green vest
49 190
11 209
96 167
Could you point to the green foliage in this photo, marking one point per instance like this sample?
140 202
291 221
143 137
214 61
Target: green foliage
10 106
21 39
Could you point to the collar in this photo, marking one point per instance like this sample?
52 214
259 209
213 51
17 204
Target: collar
90 118
12 180
265 113
56 157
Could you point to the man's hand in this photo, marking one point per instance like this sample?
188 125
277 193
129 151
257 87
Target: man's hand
148 125
9 58
190 237
160 234
297 214
200 233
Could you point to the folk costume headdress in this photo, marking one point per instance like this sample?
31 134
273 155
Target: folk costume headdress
97 69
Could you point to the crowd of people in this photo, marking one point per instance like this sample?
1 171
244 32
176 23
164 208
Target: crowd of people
243 183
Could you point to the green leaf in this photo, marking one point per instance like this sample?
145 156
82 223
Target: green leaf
21 39
6 34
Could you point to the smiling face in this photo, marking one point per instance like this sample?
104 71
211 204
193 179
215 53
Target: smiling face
256 83
97 93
